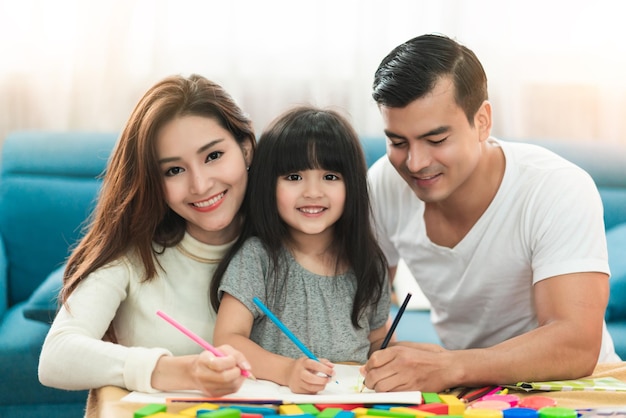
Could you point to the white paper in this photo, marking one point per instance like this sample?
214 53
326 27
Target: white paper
344 388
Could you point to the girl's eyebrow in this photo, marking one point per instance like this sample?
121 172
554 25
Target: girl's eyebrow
200 151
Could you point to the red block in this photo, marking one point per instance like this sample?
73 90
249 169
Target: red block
435 408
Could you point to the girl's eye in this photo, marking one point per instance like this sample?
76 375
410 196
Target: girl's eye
173 171
331 177
214 155
293 177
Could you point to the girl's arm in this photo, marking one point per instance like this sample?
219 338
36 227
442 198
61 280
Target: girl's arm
233 327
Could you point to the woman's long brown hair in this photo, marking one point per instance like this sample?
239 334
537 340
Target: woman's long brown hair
131 212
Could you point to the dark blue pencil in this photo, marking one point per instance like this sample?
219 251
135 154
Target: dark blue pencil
395 322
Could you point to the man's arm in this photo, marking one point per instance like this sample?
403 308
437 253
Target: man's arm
566 344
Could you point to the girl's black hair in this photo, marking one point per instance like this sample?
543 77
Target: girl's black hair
310 138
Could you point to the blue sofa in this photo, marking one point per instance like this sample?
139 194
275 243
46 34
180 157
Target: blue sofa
48 186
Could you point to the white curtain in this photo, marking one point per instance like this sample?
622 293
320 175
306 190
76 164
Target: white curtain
556 68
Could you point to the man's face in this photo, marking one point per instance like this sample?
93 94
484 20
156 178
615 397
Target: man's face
431 144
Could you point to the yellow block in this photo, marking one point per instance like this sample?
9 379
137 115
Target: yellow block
416 412
290 409
360 411
455 405
193 411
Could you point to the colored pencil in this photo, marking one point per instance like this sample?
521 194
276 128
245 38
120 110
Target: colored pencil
478 393
284 329
395 322
201 342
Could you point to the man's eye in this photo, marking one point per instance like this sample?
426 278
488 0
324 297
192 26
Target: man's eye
439 141
173 171
397 144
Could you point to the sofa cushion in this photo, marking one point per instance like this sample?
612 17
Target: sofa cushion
616 242
20 344
42 304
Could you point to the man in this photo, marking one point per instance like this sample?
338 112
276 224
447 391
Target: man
506 240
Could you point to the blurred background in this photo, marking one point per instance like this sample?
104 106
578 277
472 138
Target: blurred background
556 68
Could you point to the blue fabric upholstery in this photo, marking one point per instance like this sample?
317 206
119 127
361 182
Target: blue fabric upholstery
48 184
616 241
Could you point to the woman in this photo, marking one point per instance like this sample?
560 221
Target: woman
168 210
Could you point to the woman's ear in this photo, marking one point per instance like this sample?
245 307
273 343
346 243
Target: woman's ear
246 149
482 120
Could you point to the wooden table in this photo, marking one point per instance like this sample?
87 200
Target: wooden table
106 402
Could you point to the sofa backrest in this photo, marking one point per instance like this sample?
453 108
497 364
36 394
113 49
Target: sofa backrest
48 185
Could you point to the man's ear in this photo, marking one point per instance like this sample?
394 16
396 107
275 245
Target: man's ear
482 120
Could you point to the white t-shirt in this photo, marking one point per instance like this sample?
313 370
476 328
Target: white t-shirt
74 357
545 220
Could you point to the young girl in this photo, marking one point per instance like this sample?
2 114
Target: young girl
308 252
168 210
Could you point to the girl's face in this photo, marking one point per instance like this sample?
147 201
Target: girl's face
311 201
204 176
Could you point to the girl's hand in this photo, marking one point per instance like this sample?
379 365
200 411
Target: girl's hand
219 376
309 376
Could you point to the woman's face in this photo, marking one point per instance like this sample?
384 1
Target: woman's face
204 176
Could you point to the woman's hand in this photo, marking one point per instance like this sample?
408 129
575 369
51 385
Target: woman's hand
218 376
213 376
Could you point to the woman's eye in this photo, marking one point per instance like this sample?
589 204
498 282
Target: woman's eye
214 155
173 171
293 177
331 177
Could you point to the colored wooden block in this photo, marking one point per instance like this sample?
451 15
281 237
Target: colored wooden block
430 397
360 411
455 405
416 412
435 408
341 406
345 414
149 409
309 408
220 413
290 409
246 415
388 413
193 411
254 409
329 412
165 415
382 406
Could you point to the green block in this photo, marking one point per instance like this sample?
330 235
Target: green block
309 408
150 409
430 397
387 413
329 412
221 413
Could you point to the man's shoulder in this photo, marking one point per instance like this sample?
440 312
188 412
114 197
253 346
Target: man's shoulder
534 161
382 176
